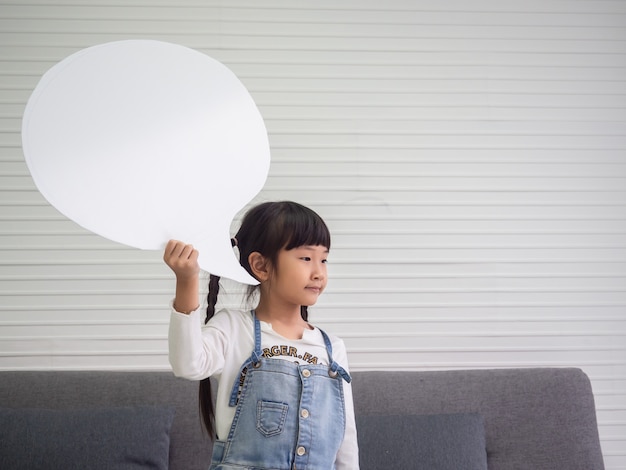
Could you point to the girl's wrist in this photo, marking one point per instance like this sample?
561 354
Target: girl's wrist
184 311
187 277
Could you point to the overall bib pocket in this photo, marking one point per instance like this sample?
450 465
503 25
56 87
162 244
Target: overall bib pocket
270 417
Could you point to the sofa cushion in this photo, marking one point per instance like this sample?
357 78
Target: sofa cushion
136 437
428 442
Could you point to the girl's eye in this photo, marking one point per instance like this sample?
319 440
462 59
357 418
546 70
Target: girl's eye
324 261
305 258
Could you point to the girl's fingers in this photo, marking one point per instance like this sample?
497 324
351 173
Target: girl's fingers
193 256
178 253
186 252
172 247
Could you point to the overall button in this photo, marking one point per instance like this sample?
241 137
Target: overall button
306 373
304 413
301 451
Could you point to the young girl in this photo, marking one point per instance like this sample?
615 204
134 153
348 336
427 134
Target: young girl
284 399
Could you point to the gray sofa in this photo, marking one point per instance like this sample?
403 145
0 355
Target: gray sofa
508 419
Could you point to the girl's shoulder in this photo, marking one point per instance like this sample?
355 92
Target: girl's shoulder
334 339
231 319
338 345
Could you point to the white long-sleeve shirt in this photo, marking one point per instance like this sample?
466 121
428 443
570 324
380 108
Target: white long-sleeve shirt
219 349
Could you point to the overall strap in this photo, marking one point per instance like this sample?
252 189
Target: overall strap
257 353
334 367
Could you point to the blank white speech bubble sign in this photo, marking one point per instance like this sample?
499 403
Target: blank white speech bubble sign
145 141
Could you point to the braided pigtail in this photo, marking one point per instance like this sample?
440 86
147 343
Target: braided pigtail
207 408
211 298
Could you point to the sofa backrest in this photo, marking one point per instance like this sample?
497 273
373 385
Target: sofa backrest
190 448
539 419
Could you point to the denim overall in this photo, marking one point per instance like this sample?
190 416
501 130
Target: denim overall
288 416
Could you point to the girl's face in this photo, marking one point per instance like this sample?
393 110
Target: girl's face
300 275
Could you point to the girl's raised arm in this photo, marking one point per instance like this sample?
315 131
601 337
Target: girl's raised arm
183 260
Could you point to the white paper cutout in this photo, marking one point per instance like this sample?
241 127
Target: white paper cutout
144 141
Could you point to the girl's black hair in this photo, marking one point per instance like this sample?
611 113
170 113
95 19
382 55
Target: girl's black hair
267 229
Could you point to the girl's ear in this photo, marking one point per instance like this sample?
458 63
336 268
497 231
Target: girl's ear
259 265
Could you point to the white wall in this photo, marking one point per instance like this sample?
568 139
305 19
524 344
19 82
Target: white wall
469 156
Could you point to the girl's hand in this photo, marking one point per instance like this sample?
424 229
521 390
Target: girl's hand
183 260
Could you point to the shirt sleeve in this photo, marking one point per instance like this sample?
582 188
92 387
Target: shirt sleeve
348 455
195 351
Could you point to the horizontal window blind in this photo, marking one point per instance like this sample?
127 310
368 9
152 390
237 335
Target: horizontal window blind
468 156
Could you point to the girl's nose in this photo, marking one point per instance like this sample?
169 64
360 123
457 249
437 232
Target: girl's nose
318 274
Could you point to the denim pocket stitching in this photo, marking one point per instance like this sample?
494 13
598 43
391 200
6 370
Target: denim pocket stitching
270 417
